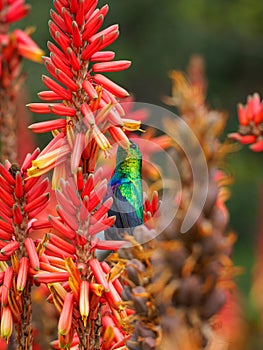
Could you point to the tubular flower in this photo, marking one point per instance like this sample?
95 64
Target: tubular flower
6 323
15 46
21 200
250 119
55 154
77 90
150 210
79 283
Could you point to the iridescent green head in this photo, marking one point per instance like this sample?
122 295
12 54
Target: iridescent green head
129 161
133 152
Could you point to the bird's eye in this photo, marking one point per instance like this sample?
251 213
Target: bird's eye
133 146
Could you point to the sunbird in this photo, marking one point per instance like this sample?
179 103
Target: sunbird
125 187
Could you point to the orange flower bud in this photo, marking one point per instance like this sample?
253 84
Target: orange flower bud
10 248
22 274
119 136
32 253
112 66
6 175
8 280
17 215
48 125
112 87
65 320
99 274
51 277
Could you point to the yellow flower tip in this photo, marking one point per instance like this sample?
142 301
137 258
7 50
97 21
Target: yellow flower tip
37 55
97 289
84 320
32 172
132 125
31 53
108 335
101 139
172 73
30 30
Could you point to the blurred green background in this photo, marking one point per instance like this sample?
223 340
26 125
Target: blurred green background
160 36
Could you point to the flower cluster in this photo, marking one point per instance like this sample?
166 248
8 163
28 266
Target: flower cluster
78 91
85 291
250 119
14 45
21 201
191 94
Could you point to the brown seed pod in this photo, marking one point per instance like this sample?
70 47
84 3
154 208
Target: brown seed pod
213 303
148 343
189 293
126 293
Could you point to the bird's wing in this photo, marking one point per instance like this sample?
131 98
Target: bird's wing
132 192
126 216
126 213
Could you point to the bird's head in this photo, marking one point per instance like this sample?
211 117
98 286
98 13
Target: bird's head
131 153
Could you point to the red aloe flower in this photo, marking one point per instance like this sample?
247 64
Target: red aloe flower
13 11
14 46
21 200
78 91
79 283
150 210
250 119
3 344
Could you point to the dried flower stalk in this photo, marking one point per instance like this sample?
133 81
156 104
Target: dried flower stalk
194 267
